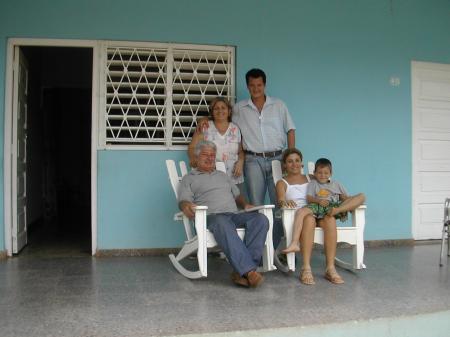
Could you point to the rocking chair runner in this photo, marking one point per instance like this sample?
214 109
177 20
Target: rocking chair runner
352 235
200 240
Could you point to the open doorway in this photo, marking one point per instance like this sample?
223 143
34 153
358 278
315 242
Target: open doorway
58 151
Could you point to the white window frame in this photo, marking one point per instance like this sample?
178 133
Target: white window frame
102 117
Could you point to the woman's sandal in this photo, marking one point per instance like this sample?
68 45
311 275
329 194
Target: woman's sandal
306 277
332 276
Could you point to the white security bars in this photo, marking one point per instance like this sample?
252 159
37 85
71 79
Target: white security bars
155 92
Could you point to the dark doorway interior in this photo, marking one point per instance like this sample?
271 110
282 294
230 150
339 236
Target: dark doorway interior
59 151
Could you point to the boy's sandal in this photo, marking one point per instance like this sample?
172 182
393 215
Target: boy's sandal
332 276
306 277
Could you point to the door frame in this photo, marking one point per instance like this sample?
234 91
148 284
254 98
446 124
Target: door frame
416 67
31 42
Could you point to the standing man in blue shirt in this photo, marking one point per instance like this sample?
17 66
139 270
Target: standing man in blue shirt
267 129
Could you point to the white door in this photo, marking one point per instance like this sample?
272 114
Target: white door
431 147
19 155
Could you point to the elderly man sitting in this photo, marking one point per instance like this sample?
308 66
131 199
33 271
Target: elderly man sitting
206 186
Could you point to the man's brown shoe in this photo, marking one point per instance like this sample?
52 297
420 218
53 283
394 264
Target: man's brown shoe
254 278
239 280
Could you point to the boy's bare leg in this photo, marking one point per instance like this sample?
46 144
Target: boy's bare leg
298 225
349 204
307 243
328 224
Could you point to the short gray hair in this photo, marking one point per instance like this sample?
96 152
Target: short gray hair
204 143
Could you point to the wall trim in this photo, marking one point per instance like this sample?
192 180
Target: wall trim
389 243
383 243
167 251
136 252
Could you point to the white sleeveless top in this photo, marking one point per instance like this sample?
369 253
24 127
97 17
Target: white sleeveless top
297 192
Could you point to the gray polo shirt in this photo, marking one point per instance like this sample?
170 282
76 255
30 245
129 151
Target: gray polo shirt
329 191
215 190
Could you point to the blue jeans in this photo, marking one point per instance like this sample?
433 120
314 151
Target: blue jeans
258 177
242 255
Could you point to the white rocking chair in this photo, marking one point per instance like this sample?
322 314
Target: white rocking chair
354 235
202 240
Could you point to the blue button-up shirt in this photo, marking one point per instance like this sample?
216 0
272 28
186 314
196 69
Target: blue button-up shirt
265 131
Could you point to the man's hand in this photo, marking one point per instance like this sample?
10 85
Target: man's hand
202 124
248 206
188 209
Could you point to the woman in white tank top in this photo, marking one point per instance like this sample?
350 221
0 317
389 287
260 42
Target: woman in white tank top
296 193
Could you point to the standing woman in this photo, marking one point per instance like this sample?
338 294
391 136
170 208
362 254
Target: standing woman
227 137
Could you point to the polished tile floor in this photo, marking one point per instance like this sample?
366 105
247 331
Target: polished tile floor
145 296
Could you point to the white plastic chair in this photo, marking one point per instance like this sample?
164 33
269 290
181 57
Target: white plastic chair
199 239
354 235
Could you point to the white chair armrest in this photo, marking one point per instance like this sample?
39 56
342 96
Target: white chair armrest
268 252
200 228
179 216
359 217
287 216
257 208
201 208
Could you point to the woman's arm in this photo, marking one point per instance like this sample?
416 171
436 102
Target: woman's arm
202 123
239 165
281 195
198 136
291 139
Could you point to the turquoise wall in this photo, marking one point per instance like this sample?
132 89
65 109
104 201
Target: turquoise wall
329 60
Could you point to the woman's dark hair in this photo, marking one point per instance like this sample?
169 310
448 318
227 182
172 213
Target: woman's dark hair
290 151
255 73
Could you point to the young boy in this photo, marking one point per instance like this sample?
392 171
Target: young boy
327 197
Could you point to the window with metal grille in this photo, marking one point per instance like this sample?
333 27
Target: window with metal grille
154 93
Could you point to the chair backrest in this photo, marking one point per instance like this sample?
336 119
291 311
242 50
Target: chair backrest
277 173
183 168
220 166
311 166
173 175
